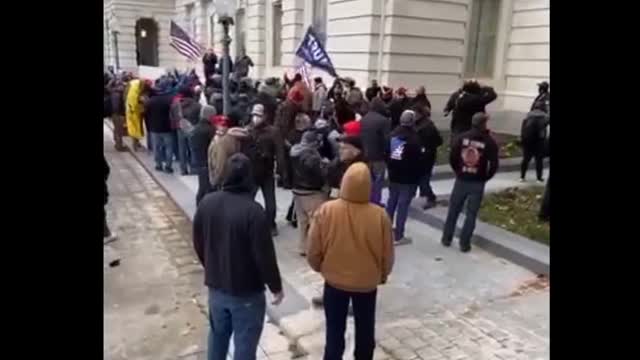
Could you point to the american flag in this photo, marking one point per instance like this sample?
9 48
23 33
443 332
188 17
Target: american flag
181 41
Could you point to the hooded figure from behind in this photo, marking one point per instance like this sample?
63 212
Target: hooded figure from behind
351 245
232 240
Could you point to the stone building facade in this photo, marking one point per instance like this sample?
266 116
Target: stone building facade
435 43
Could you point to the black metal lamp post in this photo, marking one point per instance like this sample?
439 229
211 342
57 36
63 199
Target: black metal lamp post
226 10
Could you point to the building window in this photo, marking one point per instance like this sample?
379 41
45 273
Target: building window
277 33
483 32
319 21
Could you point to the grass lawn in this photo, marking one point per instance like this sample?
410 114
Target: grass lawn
516 210
507 143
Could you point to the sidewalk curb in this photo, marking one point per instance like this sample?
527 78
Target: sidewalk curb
442 172
295 301
515 248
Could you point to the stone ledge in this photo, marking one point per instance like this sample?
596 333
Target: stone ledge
517 249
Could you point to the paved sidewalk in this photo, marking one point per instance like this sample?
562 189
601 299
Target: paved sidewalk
438 304
154 301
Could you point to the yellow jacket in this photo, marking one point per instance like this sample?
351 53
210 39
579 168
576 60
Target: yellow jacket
134 110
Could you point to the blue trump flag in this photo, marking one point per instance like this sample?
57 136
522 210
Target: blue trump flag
312 51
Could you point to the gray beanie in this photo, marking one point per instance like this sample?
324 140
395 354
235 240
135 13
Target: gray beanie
408 118
479 119
207 112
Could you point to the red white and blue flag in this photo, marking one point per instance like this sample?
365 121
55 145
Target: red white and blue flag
187 47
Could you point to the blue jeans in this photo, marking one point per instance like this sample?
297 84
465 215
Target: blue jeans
184 151
470 192
163 149
378 169
241 316
400 196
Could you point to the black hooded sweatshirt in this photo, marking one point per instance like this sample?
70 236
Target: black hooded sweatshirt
232 237
474 156
376 127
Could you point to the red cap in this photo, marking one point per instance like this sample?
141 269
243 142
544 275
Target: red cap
352 128
220 120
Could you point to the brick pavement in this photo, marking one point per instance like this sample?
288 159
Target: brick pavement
438 304
155 301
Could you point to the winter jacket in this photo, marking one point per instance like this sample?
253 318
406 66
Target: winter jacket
232 239
430 140
200 139
543 100
337 169
242 66
156 111
396 108
372 92
286 115
467 105
211 153
405 154
308 170
534 128
351 228
375 128
420 101
319 97
270 104
474 156
209 61
267 147
191 110
230 143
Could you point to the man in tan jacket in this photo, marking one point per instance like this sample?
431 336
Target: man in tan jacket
351 244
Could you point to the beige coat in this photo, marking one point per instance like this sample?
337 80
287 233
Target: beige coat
350 239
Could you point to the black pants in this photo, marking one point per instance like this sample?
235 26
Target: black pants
268 188
336 307
425 184
204 186
529 152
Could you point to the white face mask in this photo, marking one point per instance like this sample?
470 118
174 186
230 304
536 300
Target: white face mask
257 120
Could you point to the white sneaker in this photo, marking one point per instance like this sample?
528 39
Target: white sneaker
522 180
540 181
110 239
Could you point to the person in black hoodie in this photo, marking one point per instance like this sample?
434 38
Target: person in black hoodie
473 99
232 240
209 61
375 130
474 159
430 140
543 100
267 149
421 100
398 106
404 173
201 137
373 90
532 136
156 112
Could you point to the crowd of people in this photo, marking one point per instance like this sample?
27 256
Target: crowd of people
335 148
